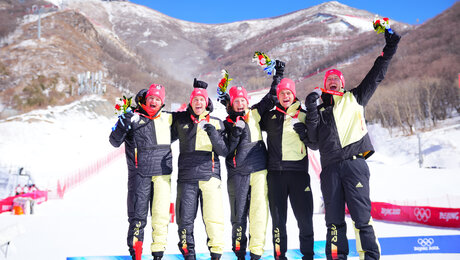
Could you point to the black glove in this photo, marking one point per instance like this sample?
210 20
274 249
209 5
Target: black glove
237 129
310 100
224 99
209 128
199 84
391 45
125 121
279 67
392 38
301 130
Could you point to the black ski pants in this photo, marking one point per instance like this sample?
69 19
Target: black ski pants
139 199
294 185
348 182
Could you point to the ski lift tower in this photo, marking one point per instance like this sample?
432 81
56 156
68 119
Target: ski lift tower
39 27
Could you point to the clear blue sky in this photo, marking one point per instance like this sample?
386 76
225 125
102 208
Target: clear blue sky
218 11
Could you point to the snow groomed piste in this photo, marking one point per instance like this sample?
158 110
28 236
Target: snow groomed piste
390 246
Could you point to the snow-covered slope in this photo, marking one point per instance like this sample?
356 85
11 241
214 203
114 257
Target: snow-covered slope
57 141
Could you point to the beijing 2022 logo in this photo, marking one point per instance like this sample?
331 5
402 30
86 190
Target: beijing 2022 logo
426 244
422 214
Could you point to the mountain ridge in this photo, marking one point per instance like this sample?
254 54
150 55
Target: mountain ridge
135 46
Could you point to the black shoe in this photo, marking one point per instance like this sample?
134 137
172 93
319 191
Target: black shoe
215 256
255 257
157 255
190 257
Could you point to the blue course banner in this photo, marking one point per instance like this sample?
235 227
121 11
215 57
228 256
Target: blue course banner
420 245
390 246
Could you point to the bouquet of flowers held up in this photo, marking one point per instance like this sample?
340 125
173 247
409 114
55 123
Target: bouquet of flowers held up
381 24
222 95
264 61
123 105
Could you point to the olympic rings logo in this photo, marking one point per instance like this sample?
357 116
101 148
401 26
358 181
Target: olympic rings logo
425 241
422 214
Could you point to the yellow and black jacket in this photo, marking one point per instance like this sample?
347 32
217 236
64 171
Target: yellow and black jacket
147 143
247 153
341 128
199 152
286 152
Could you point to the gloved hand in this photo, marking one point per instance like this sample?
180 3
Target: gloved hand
238 128
209 128
310 100
199 84
125 120
391 38
294 121
301 130
391 45
279 67
224 99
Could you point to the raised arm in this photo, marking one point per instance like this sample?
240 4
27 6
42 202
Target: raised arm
268 101
312 118
364 91
120 130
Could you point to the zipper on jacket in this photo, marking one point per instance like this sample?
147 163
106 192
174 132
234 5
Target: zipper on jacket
135 156
212 161
234 159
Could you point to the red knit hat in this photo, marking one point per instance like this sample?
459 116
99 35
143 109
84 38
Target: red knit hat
156 90
236 92
335 72
199 92
285 84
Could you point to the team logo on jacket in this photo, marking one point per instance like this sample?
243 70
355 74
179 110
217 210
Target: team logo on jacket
185 126
274 117
141 122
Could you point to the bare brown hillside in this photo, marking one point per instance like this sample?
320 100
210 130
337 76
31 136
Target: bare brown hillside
135 46
422 85
37 73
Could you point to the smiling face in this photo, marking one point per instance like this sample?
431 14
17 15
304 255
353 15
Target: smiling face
333 82
153 102
198 105
286 98
240 104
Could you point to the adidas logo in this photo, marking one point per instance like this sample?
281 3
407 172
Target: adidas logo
274 117
185 126
141 122
308 188
359 185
